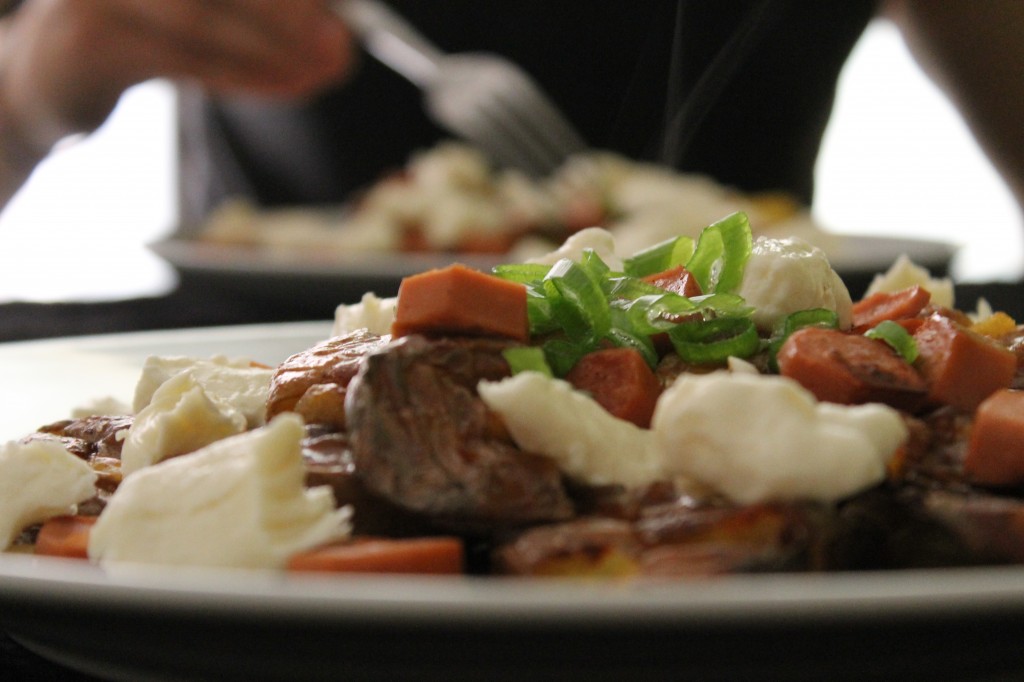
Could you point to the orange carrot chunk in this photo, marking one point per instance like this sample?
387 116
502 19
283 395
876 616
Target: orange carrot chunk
678 280
849 369
460 300
962 368
883 306
425 555
65 536
995 451
620 381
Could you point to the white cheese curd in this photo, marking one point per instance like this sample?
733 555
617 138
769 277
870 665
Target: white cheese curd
758 438
239 502
784 276
597 239
235 383
371 313
180 418
903 274
549 417
39 479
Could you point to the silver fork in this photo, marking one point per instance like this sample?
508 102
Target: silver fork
481 97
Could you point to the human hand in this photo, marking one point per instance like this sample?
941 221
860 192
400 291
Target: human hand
65 63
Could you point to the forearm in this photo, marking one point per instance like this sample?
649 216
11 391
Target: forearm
21 148
974 52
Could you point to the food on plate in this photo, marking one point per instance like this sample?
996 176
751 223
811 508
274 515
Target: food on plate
708 405
450 199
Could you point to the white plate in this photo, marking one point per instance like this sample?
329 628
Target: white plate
284 272
951 624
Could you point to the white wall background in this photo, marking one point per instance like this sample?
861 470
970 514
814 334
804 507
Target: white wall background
896 161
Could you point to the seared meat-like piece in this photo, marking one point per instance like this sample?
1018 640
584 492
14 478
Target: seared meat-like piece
95 440
990 526
329 461
423 438
671 540
314 381
888 527
97 434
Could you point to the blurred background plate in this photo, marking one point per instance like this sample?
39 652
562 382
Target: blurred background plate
322 281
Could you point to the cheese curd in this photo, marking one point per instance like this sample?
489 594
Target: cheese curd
371 313
39 479
784 276
237 384
750 437
903 274
180 418
550 417
595 239
239 502
758 438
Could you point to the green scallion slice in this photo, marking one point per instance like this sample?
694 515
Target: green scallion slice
722 252
898 338
577 300
527 359
714 341
660 257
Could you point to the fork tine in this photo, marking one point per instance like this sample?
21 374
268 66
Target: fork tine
548 122
506 144
526 135
537 128
504 134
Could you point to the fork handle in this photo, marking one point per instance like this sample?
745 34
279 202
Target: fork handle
391 39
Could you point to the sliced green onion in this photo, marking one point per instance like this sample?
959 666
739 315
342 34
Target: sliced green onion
629 288
714 341
737 244
523 273
811 317
655 313
562 354
660 257
722 252
642 344
593 264
705 257
722 305
577 300
898 338
527 359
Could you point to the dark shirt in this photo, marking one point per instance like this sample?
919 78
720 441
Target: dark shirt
740 90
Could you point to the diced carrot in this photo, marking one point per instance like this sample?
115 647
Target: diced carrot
678 280
849 369
65 536
427 555
882 306
911 324
962 368
995 451
621 381
460 300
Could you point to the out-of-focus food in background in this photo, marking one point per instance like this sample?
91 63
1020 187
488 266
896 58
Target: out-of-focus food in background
449 199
